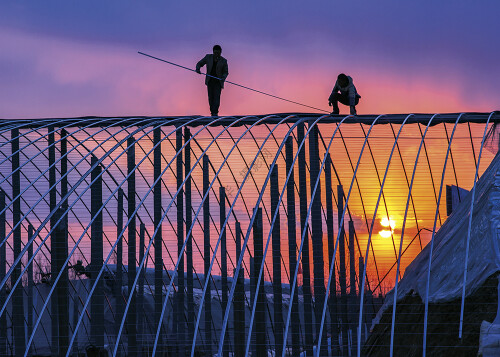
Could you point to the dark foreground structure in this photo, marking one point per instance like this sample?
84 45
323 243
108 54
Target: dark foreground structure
234 236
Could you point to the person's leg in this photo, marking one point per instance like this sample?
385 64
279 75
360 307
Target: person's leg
210 89
335 103
216 99
343 99
353 109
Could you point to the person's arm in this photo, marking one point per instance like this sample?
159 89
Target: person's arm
225 71
200 64
334 90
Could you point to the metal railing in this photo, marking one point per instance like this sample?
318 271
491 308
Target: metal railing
148 235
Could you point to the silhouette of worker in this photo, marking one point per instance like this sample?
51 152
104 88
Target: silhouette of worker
216 67
344 92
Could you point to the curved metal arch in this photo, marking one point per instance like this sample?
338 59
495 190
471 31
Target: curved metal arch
283 205
361 199
40 152
381 190
363 278
451 157
23 251
408 184
245 242
332 265
403 230
112 195
55 225
80 208
130 218
109 188
17 260
81 237
218 241
31 184
36 216
197 218
426 311
19 126
292 288
348 209
253 181
280 199
462 303
430 172
229 228
402 234
189 232
472 144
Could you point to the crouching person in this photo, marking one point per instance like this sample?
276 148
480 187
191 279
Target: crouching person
344 92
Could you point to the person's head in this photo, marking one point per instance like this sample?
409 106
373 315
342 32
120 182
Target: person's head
217 50
342 80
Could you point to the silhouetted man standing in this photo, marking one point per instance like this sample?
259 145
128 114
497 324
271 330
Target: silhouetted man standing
216 67
344 92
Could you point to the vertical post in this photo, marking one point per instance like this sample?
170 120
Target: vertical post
76 302
64 187
223 259
59 256
260 317
158 241
64 167
52 205
253 285
361 264
342 272
306 275
180 242
140 294
30 285
207 300
18 296
317 233
352 275
352 272
132 313
52 170
331 249
239 302
276 245
292 245
3 264
119 266
96 257
189 243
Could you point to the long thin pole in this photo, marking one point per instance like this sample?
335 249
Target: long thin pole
292 245
233 83
131 273
306 274
206 256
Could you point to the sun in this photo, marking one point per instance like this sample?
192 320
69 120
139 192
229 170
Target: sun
387 222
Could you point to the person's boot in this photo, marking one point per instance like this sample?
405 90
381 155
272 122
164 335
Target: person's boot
335 111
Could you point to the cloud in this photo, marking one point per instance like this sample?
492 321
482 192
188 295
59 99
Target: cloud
80 58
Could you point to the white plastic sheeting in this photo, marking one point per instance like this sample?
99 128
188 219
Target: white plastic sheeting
489 342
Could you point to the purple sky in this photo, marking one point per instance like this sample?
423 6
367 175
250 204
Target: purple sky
67 58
